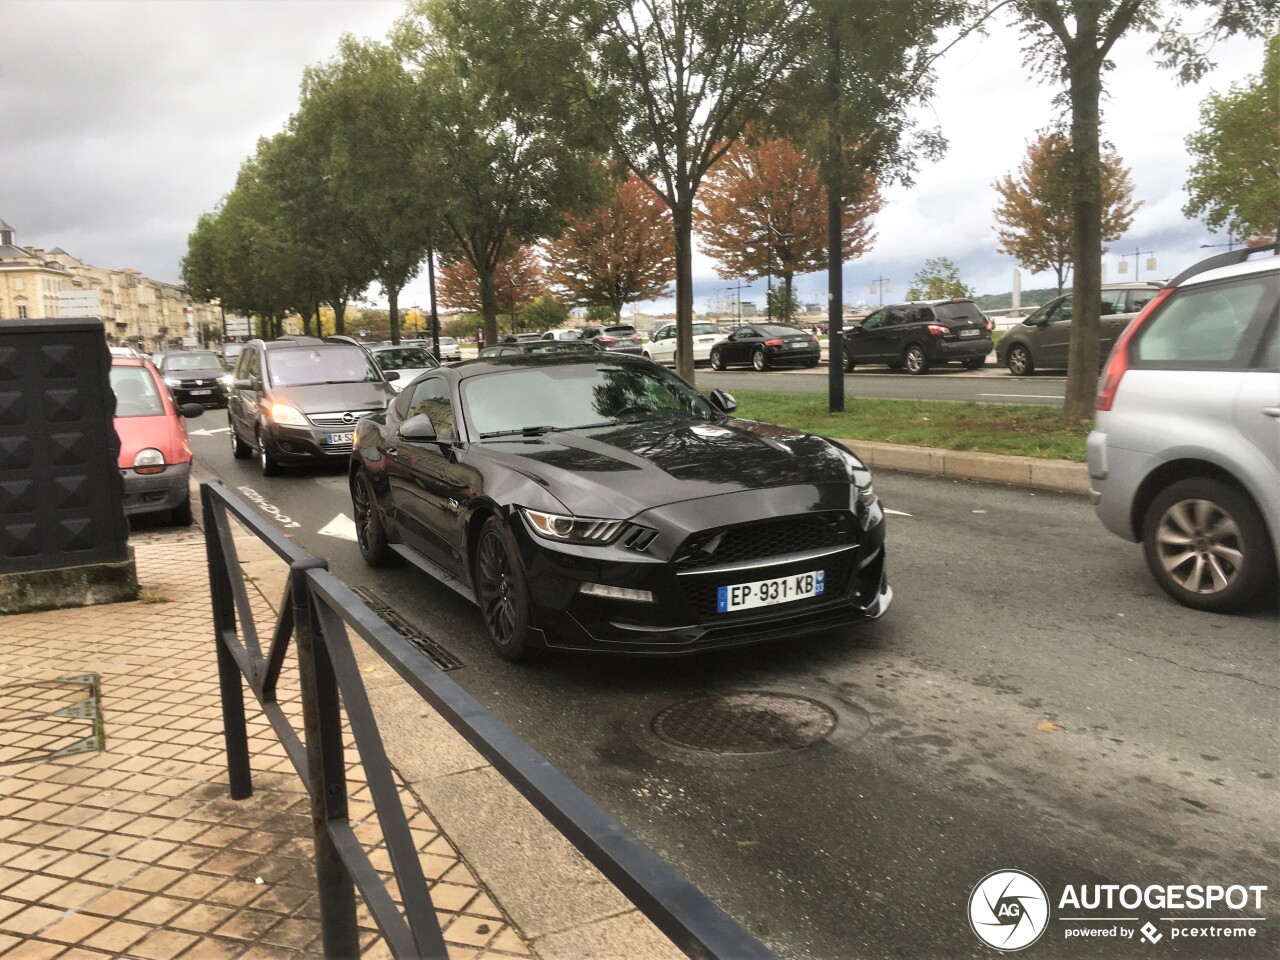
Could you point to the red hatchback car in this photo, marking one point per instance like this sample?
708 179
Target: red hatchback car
155 455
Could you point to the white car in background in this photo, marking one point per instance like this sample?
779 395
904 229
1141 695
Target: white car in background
409 359
568 334
449 349
661 347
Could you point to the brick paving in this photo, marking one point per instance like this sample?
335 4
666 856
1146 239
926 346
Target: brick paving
132 847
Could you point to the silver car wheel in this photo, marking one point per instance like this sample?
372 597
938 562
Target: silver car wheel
1199 546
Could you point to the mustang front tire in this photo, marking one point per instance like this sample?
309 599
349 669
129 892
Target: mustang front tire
503 592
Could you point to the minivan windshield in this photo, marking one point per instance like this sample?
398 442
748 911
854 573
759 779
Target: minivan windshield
331 363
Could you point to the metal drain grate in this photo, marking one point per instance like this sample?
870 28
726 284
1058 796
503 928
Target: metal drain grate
437 654
745 723
45 719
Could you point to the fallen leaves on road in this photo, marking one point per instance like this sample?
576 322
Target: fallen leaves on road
1047 726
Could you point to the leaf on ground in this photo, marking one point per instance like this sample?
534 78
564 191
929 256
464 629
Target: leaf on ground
747 843
1047 726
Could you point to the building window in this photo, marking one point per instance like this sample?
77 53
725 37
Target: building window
17 283
22 311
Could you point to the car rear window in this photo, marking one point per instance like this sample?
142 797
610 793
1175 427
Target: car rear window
405 358
136 393
776 331
958 311
624 331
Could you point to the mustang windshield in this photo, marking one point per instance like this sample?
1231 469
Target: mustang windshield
577 395
332 363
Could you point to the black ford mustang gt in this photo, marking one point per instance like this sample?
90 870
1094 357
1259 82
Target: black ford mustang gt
601 503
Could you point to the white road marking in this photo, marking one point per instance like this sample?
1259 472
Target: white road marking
898 513
269 508
209 433
1028 396
341 526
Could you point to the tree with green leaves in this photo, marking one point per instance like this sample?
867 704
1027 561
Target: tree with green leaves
939 279
1235 177
1035 213
361 113
667 84
546 312
1070 42
505 177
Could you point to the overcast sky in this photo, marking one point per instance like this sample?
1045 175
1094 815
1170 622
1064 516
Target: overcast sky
121 122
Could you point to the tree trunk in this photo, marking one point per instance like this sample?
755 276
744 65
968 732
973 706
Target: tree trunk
393 308
682 217
339 316
1086 164
488 306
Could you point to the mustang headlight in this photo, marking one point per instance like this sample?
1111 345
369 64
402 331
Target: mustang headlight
290 416
553 526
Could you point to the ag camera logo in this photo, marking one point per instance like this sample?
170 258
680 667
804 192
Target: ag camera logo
1008 910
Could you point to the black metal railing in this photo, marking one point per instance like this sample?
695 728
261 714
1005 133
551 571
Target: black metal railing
317 609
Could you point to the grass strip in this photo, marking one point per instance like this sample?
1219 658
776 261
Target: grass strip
1021 430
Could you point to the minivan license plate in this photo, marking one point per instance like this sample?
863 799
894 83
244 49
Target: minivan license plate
338 438
765 593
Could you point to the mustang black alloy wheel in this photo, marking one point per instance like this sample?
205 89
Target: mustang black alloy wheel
503 592
371 536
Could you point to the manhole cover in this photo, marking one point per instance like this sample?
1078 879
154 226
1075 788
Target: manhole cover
745 723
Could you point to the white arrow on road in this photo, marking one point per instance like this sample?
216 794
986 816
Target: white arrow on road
209 433
341 526
898 513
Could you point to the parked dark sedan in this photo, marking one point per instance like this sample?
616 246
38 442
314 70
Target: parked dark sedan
195 377
765 345
600 503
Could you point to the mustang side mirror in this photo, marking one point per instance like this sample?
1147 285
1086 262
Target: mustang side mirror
722 401
418 427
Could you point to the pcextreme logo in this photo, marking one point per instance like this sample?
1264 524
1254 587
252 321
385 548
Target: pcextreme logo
1009 910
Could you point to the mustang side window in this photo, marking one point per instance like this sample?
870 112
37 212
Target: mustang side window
431 397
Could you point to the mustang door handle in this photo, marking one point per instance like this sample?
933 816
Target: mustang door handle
1271 411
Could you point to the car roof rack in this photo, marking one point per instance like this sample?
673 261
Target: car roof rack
1227 259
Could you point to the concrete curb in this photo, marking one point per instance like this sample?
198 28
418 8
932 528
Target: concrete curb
1061 476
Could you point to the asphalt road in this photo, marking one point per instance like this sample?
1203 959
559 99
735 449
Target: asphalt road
1031 700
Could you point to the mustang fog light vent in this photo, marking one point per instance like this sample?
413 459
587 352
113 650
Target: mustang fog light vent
572 529
616 593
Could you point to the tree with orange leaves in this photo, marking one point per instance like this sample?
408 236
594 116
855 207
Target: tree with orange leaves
620 254
764 211
1036 213
516 281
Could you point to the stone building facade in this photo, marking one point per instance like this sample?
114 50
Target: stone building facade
134 309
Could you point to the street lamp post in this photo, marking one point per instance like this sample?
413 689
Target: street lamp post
884 283
1137 269
767 238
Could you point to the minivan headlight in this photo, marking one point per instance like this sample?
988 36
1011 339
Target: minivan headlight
289 416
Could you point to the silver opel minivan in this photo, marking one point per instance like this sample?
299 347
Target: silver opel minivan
1184 456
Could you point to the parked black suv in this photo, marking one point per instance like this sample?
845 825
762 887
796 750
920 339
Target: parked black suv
920 334
298 398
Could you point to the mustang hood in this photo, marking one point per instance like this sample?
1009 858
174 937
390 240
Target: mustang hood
623 470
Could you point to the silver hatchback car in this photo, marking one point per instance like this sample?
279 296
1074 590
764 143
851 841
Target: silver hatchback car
1184 456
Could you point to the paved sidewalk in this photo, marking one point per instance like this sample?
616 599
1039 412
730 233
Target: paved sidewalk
136 850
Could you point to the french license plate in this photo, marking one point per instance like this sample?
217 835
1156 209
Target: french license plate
968 333
335 438
798 346
766 593
201 393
